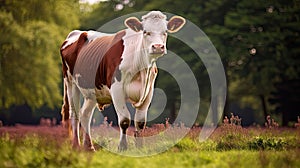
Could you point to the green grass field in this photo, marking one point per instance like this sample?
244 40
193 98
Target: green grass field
228 146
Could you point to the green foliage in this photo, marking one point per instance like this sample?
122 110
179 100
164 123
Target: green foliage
263 39
186 144
260 143
31 34
33 150
231 142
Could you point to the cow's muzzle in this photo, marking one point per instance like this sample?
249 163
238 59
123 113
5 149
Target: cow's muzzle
158 49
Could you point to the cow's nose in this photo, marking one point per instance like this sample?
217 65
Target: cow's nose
158 48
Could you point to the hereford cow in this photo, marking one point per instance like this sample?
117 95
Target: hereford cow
113 68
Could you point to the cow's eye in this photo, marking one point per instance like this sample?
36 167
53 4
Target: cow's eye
147 33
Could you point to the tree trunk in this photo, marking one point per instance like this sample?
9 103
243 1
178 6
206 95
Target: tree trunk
227 103
264 106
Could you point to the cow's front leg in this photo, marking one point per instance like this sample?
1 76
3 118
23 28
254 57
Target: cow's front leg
139 123
140 118
86 116
124 123
118 97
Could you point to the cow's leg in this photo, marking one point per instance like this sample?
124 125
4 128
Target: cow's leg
118 97
74 103
86 116
140 119
65 108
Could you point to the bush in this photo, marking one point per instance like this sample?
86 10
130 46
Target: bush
186 144
273 143
36 151
231 141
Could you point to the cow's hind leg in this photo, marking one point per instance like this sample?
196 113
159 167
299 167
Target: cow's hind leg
65 108
87 113
74 104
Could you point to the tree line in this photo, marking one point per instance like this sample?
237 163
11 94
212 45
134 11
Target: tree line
258 42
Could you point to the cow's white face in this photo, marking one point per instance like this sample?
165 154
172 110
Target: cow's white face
155 29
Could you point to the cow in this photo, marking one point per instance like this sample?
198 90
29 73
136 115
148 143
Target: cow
115 68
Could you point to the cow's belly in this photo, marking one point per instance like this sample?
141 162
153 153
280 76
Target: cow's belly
133 91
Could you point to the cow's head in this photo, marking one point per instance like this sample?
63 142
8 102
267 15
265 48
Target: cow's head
155 29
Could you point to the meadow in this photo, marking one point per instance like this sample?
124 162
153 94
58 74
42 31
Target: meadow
229 146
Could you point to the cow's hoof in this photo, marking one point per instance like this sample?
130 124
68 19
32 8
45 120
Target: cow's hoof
90 149
122 147
88 146
139 142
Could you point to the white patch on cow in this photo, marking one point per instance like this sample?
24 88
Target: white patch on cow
134 57
76 77
74 36
155 21
71 38
92 35
155 27
88 93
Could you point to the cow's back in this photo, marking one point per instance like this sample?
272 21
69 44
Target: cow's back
97 61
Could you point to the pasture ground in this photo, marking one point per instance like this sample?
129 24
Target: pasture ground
229 146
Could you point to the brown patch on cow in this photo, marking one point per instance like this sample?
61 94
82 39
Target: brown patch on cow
69 54
98 60
110 61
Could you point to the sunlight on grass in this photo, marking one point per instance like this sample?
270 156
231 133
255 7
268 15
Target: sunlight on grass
245 148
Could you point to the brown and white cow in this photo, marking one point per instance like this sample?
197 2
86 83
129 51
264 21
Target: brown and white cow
113 68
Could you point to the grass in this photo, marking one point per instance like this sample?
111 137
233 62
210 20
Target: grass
229 146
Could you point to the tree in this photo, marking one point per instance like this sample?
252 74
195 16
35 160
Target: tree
285 96
31 34
263 36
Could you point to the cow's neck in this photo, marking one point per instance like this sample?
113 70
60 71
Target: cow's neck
136 68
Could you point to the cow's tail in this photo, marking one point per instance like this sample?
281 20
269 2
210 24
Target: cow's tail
65 111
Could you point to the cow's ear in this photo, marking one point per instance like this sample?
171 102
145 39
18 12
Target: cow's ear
175 24
134 24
